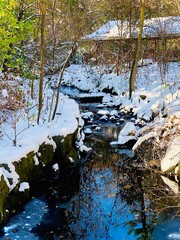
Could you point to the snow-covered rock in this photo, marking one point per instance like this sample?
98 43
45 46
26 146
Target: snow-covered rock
24 186
114 112
104 118
55 167
128 140
172 156
87 131
126 136
87 116
103 112
108 98
98 128
171 184
128 129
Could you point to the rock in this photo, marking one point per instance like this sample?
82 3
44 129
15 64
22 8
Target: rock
87 116
24 186
143 97
104 118
55 167
126 136
101 105
114 113
171 184
103 112
172 156
98 128
129 141
113 119
133 119
87 131
121 120
128 129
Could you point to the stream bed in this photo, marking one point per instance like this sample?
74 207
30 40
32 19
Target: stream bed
112 196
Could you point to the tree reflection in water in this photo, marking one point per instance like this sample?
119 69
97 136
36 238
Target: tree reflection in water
117 198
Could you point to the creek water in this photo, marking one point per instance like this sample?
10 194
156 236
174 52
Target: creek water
112 196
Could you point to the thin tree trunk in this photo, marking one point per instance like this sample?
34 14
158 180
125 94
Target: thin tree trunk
138 48
72 53
142 205
42 28
34 60
54 33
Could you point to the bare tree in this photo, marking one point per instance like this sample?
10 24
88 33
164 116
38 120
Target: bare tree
138 48
42 46
71 54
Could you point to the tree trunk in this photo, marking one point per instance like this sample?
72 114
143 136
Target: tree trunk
42 29
138 48
72 53
36 33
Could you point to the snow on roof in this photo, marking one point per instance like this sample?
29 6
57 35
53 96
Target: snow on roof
153 27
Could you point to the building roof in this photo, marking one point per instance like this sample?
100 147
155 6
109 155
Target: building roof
153 27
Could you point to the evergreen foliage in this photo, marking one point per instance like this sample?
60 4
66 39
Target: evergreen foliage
16 28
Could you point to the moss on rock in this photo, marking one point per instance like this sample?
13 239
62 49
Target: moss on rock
65 149
25 167
178 171
46 153
4 191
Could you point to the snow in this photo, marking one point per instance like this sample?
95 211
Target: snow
55 167
4 93
172 157
104 118
143 139
36 161
84 148
172 185
126 134
113 113
128 129
124 139
98 128
103 112
87 131
122 29
24 186
87 115
71 160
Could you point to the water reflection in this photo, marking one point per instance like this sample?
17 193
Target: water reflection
168 229
21 225
117 199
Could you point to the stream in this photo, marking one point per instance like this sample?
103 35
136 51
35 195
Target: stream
112 196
